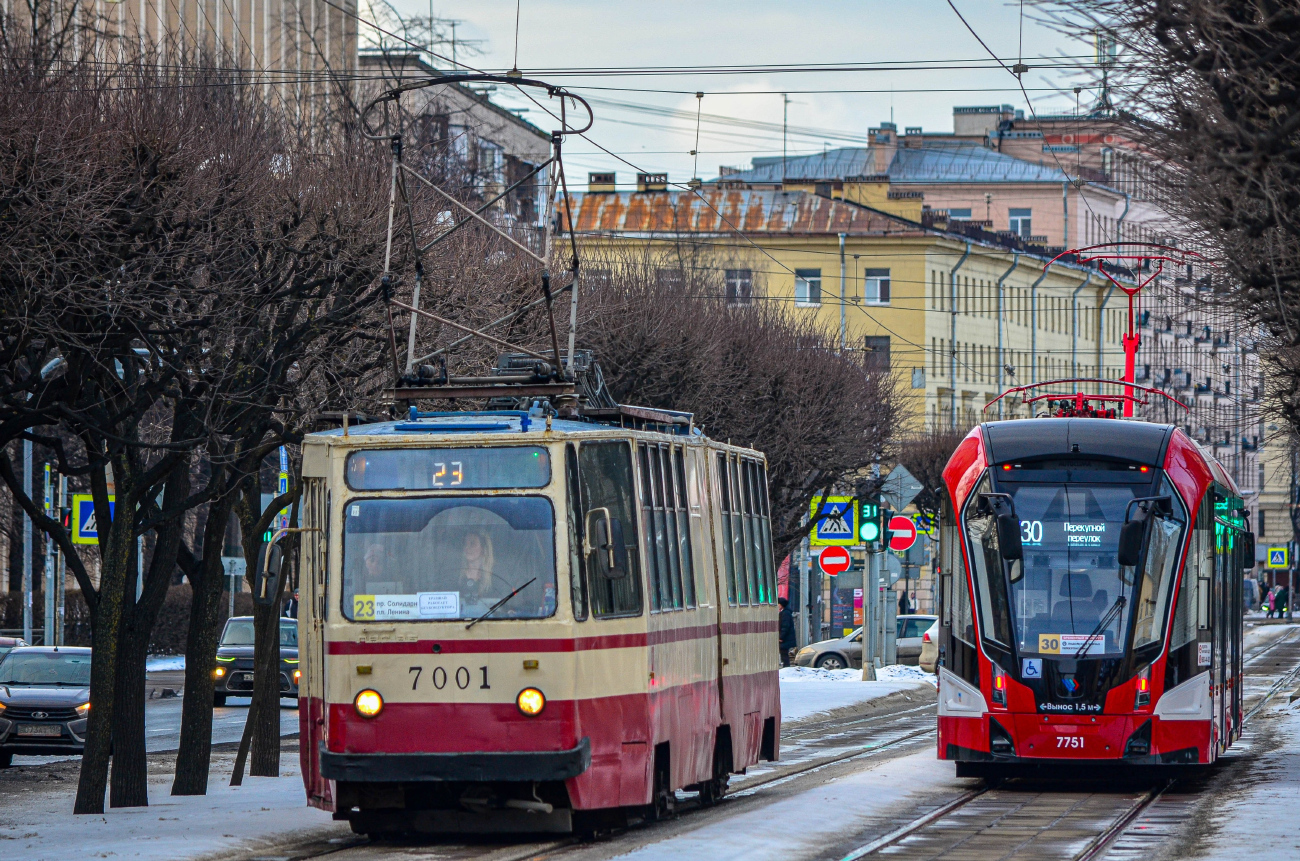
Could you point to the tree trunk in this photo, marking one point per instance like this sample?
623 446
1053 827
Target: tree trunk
195 752
265 714
129 786
106 625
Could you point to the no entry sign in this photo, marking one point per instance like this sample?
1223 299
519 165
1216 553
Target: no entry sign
902 533
834 561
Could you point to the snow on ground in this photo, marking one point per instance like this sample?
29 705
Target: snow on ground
164 663
40 826
1256 820
806 691
804 824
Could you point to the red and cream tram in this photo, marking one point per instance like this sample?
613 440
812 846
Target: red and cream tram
1091 589
510 620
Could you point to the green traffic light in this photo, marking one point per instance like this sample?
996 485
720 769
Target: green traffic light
870 531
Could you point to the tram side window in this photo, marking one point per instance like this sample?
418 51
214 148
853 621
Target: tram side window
724 499
769 566
957 594
678 482
605 478
740 534
757 545
577 565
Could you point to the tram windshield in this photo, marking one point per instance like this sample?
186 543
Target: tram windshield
1069 595
448 558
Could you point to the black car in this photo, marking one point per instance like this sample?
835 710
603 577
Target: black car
44 701
234 674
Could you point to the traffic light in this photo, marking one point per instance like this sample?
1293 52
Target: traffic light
870 530
65 517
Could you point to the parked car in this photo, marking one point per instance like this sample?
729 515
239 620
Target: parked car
233 676
930 648
846 651
910 631
44 701
8 644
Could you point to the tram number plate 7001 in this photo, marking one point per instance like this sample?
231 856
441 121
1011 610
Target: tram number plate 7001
1069 741
461 677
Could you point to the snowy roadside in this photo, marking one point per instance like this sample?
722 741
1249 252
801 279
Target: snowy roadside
37 822
1254 819
807 691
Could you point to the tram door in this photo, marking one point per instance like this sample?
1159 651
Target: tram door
313 569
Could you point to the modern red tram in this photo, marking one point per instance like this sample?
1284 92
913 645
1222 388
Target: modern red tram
511 620
1091 592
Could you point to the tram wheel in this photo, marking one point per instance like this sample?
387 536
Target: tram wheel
663 804
711 791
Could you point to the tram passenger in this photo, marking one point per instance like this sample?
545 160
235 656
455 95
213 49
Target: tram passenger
379 580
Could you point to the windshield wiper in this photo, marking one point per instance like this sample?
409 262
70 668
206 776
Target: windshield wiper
1101 626
494 607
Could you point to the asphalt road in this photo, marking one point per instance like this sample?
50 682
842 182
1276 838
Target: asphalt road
162 722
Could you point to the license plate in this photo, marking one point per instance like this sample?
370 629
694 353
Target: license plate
43 729
246 677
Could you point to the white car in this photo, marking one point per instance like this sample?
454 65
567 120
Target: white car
930 648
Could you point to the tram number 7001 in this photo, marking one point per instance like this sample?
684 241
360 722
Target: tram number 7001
461 678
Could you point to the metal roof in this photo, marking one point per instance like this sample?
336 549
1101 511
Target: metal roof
958 161
719 210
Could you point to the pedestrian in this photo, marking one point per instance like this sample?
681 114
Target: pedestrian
903 606
1280 601
785 631
1268 602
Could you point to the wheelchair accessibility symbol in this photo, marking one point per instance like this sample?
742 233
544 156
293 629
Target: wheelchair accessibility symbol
1031 668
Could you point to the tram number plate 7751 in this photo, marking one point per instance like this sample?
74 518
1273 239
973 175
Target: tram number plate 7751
461 677
1069 741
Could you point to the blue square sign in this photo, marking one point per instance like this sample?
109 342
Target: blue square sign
1277 558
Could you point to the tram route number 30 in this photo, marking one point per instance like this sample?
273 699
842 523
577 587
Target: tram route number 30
439 678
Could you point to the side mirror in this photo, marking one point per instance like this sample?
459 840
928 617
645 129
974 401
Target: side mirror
1248 547
1009 536
266 588
1130 539
1008 525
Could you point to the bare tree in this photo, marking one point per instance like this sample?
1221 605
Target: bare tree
666 337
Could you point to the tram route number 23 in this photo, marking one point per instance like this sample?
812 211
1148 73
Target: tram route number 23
461 677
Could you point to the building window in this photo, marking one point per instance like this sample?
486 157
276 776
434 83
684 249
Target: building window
956 214
1260 515
807 286
876 348
740 286
1019 222
875 286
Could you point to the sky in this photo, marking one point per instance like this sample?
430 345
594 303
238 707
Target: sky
826 108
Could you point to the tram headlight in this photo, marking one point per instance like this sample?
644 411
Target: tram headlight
1143 697
999 686
531 701
368 703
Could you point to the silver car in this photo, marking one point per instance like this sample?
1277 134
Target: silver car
846 651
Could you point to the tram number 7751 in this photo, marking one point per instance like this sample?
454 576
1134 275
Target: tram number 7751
462 677
1074 741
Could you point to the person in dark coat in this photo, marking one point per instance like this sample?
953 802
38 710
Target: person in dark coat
785 631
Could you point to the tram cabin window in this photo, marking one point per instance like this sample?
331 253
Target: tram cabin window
449 468
445 558
606 485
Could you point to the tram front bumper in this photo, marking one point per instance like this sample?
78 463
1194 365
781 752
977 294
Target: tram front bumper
1026 738
474 767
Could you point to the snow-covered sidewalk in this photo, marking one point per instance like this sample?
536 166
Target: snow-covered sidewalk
806 691
38 824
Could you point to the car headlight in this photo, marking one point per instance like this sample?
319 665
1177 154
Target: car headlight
227 660
806 650
368 703
219 672
531 701
83 709
2 708
297 676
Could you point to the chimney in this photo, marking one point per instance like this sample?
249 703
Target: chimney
652 182
884 142
600 183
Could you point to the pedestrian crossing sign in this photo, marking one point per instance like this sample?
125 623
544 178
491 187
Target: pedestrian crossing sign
85 528
835 522
1277 558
